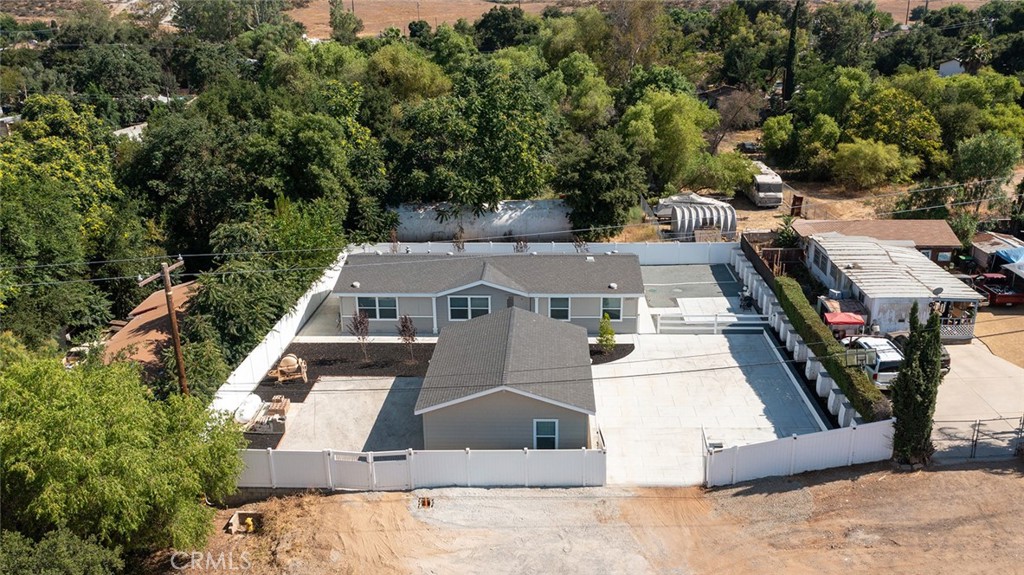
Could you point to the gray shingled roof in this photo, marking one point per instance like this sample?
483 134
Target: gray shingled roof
511 348
526 273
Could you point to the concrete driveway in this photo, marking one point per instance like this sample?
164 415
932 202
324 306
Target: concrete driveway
979 386
651 405
357 414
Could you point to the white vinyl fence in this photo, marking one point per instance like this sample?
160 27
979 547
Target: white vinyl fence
247 376
650 254
405 470
799 453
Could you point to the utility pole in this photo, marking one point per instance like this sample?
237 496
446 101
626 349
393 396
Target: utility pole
165 273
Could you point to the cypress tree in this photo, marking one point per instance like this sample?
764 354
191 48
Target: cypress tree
915 389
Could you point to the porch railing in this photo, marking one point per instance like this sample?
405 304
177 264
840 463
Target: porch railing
952 328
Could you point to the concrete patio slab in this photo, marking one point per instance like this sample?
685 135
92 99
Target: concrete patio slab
652 405
356 414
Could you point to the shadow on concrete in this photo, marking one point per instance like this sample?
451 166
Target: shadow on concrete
396 428
784 404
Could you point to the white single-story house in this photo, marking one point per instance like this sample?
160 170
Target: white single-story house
888 277
437 290
511 379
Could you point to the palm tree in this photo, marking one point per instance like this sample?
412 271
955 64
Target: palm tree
974 53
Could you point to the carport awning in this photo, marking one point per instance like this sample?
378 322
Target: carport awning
843 318
1016 269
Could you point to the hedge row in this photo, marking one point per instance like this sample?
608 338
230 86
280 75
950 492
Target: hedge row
866 398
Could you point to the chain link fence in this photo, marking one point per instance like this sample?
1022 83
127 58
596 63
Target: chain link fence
978 439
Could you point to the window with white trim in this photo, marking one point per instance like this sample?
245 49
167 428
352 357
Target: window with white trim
613 307
558 308
378 307
545 434
468 307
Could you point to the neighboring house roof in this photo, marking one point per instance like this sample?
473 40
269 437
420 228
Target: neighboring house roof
889 270
924 233
511 350
149 327
132 132
526 274
991 242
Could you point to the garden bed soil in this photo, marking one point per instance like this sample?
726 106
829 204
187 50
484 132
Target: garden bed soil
386 359
597 357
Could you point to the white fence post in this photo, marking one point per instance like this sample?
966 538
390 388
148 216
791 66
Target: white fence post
270 464
584 465
327 468
408 463
853 441
468 484
526 467
373 476
735 458
792 454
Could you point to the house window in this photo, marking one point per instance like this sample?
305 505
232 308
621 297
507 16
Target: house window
462 307
927 253
378 307
945 257
545 434
558 308
835 276
820 261
613 307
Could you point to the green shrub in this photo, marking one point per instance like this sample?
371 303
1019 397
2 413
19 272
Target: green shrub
854 383
606 335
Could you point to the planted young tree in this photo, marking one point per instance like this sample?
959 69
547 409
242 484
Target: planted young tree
915 389
606 335
359 326
407 333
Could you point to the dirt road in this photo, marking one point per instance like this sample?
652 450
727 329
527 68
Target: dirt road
866 519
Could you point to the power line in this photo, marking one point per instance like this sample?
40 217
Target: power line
392 389
336 249
808 201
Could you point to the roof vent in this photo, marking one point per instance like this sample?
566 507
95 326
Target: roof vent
451 253
613 286
379 253
590 258
355 285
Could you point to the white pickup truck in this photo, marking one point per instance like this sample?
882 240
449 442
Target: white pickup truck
884 364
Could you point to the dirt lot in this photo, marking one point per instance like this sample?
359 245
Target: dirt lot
898 8
865 519
378 15
1002 330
